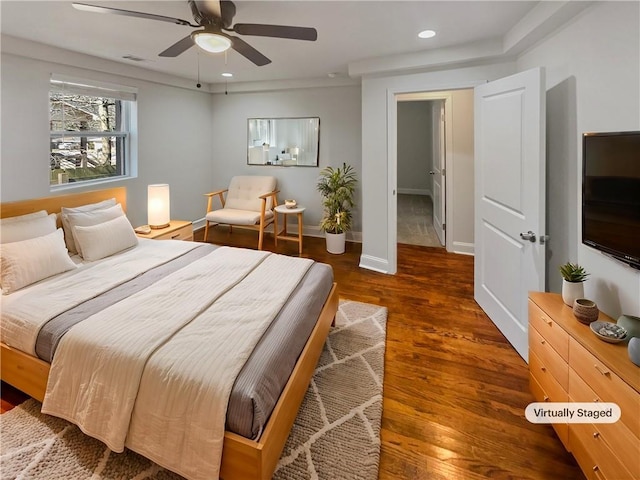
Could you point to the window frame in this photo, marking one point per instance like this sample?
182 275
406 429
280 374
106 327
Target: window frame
125 137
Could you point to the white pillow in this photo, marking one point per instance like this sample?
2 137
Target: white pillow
27 228
20 218
100 241
68 232
29 261
87 219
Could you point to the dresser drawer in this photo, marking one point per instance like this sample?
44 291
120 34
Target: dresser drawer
595 456
550 385
562 429
606 385
550 330
549 358
616 435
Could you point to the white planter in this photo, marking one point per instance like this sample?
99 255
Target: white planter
335 242
571 291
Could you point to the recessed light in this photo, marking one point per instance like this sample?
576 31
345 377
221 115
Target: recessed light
227 74
427 34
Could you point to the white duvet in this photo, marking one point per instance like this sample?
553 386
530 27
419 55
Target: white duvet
154 371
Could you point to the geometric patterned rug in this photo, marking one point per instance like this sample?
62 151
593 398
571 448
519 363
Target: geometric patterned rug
336 434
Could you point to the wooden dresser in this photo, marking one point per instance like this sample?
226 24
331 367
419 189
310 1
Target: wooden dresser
568 363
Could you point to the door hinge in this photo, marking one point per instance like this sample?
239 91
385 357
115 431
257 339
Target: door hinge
444 227
443 172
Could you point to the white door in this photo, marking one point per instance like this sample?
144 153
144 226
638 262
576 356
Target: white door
437 174
510 199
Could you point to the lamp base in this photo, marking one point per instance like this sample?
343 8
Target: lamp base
159 227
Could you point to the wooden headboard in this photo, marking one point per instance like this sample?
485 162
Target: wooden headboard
54 204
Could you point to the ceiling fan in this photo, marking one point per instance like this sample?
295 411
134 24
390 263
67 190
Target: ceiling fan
213 23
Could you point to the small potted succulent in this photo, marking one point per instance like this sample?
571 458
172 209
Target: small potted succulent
573 277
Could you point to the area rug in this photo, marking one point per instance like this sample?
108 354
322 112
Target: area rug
335 436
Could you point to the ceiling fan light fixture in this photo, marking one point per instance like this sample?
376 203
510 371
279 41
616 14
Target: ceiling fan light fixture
211 42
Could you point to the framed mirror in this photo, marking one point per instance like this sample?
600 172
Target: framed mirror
287 142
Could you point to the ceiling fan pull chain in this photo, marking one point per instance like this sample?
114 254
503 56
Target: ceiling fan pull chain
198 84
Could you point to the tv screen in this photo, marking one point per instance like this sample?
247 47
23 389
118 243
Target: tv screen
611 194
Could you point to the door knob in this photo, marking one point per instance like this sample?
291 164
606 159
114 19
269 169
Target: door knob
528 236
431 172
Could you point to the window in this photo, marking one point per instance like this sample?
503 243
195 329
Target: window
91 128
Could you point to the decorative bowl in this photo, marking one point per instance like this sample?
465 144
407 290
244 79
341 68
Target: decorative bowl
290 203
609 332
586 311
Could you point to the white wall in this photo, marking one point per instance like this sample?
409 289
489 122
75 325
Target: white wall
174 141
593 84
415 147
378 250
340 134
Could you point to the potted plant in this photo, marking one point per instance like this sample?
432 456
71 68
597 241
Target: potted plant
337 187
573 276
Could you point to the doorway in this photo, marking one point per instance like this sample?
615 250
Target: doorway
421 154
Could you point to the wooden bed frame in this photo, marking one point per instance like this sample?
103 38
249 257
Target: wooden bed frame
241 458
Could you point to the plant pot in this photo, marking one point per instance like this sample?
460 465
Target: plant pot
335 242
586 311
571 291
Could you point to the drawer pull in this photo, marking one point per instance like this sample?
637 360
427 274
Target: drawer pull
175 236
596 434
544 369
542 342
601 371
547 321
545 398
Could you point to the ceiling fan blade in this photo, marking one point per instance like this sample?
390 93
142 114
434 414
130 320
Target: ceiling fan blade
278 31
247 51
227 12
129 13
179 47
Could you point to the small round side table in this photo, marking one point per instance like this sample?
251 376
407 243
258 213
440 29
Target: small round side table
283 235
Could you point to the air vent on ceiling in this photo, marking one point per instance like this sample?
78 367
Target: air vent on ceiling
133 58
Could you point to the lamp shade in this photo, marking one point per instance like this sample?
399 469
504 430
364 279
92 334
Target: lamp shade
158 205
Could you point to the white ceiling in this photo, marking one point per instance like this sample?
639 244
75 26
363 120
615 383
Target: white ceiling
348 32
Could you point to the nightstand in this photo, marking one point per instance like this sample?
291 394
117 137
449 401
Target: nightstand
177 230
283 235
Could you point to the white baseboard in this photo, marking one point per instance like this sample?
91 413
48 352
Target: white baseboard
463 248
414 191
374 263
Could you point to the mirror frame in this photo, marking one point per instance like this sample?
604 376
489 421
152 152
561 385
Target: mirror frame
283 164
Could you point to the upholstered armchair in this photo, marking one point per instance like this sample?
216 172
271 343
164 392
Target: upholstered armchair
248 203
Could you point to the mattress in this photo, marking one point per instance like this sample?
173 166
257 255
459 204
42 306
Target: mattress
266 372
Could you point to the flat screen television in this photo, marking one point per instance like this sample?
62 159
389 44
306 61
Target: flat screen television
611 194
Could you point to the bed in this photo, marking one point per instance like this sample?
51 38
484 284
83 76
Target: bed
251 450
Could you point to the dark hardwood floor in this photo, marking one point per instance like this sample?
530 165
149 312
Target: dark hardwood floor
454 389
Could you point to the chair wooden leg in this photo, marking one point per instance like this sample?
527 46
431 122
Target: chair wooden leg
206 229
260 238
